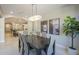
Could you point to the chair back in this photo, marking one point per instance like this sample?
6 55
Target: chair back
50 48
44 34
47 46
25 44
25 32
20 39
21 45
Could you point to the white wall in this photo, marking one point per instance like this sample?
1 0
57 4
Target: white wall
2 36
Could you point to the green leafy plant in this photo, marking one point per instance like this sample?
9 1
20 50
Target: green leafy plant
71 27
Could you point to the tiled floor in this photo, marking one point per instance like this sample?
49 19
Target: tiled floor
10 47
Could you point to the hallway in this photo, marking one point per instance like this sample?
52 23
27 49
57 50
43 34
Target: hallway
10 47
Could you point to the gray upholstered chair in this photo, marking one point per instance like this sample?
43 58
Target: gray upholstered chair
21 45
51 48
25 45
46 47
44 34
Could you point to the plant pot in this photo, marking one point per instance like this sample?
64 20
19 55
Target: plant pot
72 51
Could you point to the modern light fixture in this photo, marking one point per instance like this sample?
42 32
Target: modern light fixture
34 16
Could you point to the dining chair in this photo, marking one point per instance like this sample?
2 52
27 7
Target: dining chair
21 45
51 48
25 45
47 45
15 33
44 34
53 53
25 32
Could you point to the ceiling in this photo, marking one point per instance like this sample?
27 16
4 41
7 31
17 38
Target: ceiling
25 10
14 20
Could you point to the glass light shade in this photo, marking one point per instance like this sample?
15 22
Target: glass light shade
35 17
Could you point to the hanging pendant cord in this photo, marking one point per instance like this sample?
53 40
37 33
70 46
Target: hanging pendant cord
32 9
34 6
36 9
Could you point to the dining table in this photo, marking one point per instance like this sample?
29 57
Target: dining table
39 43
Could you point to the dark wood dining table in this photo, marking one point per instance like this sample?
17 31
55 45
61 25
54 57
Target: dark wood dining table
37 42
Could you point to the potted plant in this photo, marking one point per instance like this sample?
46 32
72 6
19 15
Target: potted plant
71 27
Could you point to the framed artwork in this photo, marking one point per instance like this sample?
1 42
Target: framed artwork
44 26
54 26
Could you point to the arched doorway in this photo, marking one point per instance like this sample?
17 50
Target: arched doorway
13 25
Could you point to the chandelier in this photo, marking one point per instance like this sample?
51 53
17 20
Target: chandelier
34 16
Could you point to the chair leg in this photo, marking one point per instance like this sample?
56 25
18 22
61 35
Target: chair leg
29 48
19 46
23 50
28 52
53 49
45 51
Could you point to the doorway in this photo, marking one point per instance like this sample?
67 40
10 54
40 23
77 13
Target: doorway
8 29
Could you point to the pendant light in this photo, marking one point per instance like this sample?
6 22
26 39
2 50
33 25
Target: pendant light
34 16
